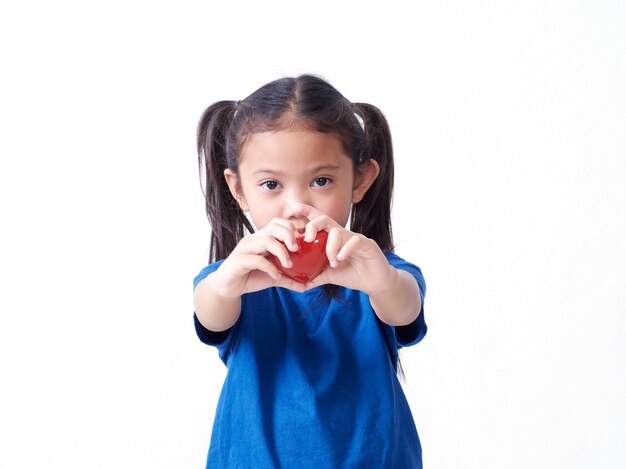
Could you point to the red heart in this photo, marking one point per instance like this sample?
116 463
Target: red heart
308 262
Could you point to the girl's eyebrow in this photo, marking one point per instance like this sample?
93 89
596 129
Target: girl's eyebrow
325 167
266 171
315 169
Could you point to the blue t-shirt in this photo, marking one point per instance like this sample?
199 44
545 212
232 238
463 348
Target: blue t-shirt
312 382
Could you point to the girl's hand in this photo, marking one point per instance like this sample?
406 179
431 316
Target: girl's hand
248 269
356 261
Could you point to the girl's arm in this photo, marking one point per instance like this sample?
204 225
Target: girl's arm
215 312
400 303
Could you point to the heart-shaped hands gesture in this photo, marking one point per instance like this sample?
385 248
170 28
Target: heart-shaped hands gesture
325 253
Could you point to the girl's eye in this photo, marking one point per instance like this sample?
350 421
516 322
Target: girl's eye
321 181
270 185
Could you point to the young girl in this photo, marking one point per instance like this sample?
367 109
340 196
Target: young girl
312 363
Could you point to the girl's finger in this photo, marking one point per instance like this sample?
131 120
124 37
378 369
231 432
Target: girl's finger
251 262
278 249
262 244
350 246
318 220
291 284
321 223
334 244
321 279
270 269
282 230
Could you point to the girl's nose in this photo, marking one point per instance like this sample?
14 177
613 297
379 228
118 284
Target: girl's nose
291 201
290 211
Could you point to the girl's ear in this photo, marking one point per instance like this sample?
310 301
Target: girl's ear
235 188
366 174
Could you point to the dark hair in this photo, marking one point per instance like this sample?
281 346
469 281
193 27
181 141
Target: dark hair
306 101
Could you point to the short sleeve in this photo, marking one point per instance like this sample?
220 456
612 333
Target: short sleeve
412 333
205 272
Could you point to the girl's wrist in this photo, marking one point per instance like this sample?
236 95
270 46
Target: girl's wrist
399 303
217 283
385 283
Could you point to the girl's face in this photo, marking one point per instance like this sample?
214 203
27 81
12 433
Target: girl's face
279 169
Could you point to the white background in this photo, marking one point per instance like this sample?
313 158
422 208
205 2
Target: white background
509 122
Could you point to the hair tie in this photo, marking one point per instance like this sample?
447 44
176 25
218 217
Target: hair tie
360 120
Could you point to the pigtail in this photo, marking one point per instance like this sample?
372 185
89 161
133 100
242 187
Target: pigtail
372 216
226 218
